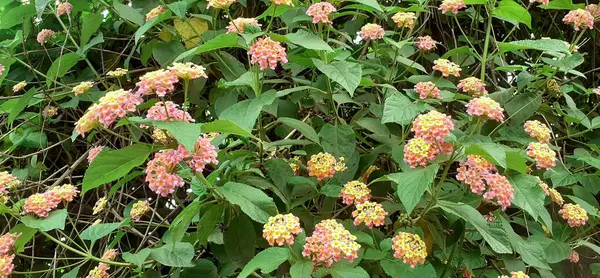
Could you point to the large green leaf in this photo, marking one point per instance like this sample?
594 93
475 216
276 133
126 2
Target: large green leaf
398 269
267 261
226 126
522 106
202 268
254 202
129 13
370 3
16 15
492 152
342 270
56 220
305 39
208 222
181 223
413 183
338 140
89 27
40 6
99 230
60 66
551 45
399 109
509 10
218 42
138 258
239 240
20 105
111 165
302 127
529 196
494 238
562 5
26 234
346 74
176 255
246 112
532 252
557 251
301 269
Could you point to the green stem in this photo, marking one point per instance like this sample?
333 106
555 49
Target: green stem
487 42
271 20
186 101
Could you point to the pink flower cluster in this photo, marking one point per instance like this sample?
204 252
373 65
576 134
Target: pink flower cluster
427 89
486 108
168 111
477 172
41 204
372 31
355 192
425 43
330 242
594 10
160 82
161 171
320 12
538 130
42 36
446 67
543 155
95 151
452 5
431 130
267 52
8 182
188 71
370 213
7 245
575 215
473 86
404 19
237 25
112 106
64 8
579 18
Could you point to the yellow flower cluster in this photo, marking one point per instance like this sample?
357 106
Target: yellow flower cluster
355 192
370 213
324 165
281 228
410 248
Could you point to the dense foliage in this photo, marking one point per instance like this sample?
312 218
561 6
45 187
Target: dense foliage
296 139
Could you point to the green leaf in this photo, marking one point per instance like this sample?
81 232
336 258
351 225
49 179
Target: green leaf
397 268
203 268
494 238
145 26
529 196
509 10
129 13
532 252
475 2
254 202
138 258
551 45
218 42
111 165
590 245
516 162
60 67
557 252
370 3
21 104
245 113
239 240
71 274
301 269
26 234
97 40
56 220
40 6
562 5
413 183
344 73
185 133
16 15
565 63
181 223
99 231
399 109
89 27
302 127
177 255
305 39
522 106
280 173
340 270
267 261
179 8
492 152
208 222
338 140
226 126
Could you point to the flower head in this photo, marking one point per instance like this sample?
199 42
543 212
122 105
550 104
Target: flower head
161 171
427 90
499 188
433 126
543 186
410 248
39 204
538 130
575 215
204 153
19 86
152 14
404 19
267 52
138 209
574 257
543 2
355 192
95 151
100 205
160 82
473 86
543 155
295 165
281 228
371 31
42 36
518 274
237 25
188 71
370 213
1 69
64 8
62 193
6 265
8 182
118 72
112 106
486 108
100 271
580 19
168 111
594 9
425 43
473 171
320 12
82 87
330 242
446 67
452 5
418 151
324 165
555 196
220 4
7 242
283 2
110 255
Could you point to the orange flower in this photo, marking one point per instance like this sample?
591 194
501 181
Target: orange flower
281 228
575 215
267 52
410 248
543 155
473 86
355 192
538 130
370 213
446 67
324 165
330 242
427 90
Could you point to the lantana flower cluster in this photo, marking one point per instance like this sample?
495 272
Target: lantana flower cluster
543 155
425 43
320 12
281 229
267 53
431 130
579 18
324 166
370 213
355 192
538 130
485 108
404 19
446 67
8 182
409 248
482 176
111 107
575 215
427 89
329 243
452 5
472 86
138 209
161 82
41 204
237 25
372 31
7 246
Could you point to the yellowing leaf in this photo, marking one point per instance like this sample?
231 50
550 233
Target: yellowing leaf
191 30
165 35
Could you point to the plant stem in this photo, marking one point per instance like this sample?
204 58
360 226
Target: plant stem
487 41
